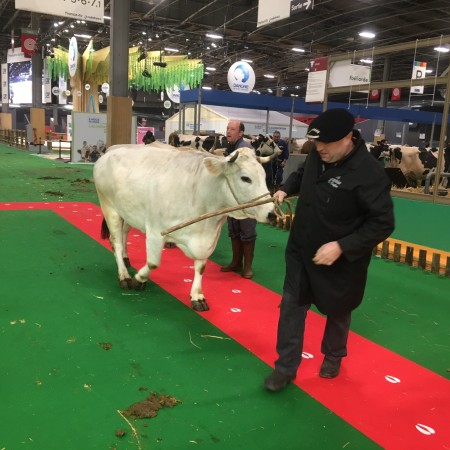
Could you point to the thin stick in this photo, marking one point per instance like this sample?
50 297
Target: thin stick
132 429
215 213
192 342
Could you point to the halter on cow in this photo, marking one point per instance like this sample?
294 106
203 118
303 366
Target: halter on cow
135 192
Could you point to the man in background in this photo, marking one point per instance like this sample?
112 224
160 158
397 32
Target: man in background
275 168
242 232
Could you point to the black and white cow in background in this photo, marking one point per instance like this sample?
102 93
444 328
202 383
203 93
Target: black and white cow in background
264 145
414 162
135 192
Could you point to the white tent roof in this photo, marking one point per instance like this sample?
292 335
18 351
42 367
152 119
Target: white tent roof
254 116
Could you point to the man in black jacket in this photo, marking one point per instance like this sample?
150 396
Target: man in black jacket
344 210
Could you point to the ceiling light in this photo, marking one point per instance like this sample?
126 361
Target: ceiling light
269 76
442 49
214 36
366 60
247 60
367 34
208 88
170 49
107 17
210 68
429 71
299 50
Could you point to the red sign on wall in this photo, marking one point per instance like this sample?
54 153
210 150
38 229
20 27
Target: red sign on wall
29 45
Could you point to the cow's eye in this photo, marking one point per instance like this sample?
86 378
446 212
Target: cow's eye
246 179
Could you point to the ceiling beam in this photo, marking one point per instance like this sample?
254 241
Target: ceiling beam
395 48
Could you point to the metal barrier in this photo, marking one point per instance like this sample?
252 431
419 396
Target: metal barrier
431 176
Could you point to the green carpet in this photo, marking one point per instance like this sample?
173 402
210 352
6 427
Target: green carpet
59 301
61 389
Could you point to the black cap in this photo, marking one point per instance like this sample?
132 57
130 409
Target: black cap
331 125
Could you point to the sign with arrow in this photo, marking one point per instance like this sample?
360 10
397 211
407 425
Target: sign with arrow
284 9
298 6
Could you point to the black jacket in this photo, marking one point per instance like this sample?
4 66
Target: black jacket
349 203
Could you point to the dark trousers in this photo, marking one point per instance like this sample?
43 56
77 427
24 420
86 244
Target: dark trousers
244 229
291 329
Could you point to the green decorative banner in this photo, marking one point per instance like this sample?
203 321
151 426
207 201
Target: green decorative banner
144 75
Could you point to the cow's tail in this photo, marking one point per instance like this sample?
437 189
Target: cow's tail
105 230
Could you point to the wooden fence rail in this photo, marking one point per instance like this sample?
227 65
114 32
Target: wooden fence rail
428 259
14 138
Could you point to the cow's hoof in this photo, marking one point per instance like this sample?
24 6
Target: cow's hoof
125 284
199 305
126 261
137 285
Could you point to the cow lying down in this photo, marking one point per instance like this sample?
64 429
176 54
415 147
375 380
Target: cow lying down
154 187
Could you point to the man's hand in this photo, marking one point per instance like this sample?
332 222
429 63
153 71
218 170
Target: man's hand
328 253
279 196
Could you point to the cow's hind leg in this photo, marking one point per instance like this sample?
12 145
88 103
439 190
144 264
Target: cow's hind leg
125 230
116 230
154 245
198 300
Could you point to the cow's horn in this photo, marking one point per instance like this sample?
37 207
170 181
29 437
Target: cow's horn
266 159
234 157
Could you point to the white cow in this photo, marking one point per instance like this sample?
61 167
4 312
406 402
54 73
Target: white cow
154 187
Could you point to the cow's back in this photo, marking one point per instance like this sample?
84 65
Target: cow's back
142 180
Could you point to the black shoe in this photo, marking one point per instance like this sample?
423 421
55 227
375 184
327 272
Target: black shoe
330 368
277 381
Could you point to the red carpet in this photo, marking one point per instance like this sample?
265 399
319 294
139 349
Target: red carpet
395 402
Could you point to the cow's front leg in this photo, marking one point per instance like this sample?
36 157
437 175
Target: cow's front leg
197 298
154 245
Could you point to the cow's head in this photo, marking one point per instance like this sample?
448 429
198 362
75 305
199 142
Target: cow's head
265 146
245 182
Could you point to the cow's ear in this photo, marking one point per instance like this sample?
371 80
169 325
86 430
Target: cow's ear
214 165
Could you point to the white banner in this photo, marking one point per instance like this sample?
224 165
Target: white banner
268 13
90 10
271 11
15 55
62 85
46 84
5 84
343 73
419 71
88 136
315 88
